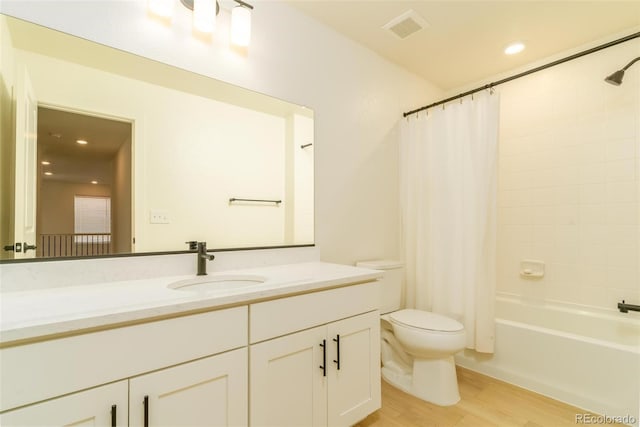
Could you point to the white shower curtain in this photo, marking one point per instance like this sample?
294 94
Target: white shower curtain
448 179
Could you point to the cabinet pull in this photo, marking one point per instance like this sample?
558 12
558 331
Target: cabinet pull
337 341
324 358
146 411
114 410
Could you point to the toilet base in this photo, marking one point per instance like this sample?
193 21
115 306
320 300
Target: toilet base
432 380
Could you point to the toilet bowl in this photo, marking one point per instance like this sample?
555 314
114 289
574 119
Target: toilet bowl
417 346
417 354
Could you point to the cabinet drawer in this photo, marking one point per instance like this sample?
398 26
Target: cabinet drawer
39 371
283 316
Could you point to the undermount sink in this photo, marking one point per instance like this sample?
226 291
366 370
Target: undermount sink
217 283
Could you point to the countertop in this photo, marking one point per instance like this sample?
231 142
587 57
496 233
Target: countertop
39 314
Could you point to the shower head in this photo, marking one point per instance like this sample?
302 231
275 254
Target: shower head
616 78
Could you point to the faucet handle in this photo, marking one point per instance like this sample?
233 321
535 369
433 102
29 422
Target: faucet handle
193 245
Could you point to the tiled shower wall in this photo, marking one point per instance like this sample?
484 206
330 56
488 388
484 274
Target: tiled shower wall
569 187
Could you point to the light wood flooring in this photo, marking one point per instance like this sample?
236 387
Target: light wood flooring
484 401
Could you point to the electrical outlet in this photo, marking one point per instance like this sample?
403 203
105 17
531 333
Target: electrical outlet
159 216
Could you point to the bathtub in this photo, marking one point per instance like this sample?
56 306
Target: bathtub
589 359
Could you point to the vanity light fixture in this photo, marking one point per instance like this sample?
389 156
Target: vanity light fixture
204 16
514 48
81 142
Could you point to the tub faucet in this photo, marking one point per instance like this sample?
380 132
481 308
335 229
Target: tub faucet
624 307
203 257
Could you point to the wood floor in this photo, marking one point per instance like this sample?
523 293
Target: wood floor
484 402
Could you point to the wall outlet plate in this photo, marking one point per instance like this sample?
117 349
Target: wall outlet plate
159 216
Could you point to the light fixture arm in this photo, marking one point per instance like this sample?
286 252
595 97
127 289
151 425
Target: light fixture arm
241 3
628 65
189 5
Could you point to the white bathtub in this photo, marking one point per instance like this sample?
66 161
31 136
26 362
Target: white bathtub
588 359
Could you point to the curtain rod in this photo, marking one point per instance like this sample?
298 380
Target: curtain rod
526 73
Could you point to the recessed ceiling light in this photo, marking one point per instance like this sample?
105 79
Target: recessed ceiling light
514 48
48 173
81 142
44 162
94 182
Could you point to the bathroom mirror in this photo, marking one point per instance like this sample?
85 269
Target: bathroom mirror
105 152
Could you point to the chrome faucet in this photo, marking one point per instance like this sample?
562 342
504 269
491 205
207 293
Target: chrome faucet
203 257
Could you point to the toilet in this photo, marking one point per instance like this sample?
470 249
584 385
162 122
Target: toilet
417 346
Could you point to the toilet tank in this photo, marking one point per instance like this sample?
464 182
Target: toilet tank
391 283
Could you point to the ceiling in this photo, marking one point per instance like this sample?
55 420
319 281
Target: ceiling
464 40
57 134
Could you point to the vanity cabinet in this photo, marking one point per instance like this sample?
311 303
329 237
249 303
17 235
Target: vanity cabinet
100 406
190 366
323 375
311 359
207 392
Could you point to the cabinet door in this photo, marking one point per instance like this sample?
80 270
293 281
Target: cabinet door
354 389
210 391
100 406
287 384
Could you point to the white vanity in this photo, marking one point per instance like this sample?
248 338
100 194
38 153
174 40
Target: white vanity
298 347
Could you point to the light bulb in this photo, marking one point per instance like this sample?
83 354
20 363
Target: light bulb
163 8
240 26
204 15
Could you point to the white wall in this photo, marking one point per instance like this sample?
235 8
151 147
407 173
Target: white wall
569 187
357 98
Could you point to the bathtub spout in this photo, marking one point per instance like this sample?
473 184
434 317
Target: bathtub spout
624 307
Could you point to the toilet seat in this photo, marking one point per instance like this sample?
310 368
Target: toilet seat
419 319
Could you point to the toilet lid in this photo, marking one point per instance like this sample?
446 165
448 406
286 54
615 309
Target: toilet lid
425 320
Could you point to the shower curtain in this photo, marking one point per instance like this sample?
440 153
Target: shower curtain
448 179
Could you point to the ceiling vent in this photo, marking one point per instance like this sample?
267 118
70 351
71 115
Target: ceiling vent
406 24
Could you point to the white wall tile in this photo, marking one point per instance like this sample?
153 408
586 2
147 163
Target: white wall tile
620 149
621 170
577 173
622 192
593 214
593 193
623 213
